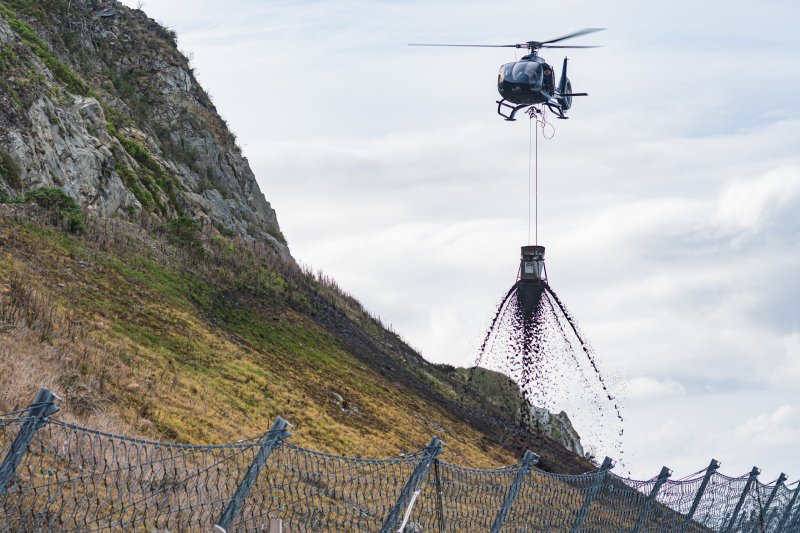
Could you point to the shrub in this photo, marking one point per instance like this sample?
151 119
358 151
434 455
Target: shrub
64 208
184 231
278 234
9 170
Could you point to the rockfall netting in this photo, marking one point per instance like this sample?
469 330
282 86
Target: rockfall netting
60 476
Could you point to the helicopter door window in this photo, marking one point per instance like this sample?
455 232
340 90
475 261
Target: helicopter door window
549 80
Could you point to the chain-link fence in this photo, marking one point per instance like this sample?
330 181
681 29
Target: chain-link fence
56 476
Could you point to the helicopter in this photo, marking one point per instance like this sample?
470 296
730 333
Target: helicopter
531 80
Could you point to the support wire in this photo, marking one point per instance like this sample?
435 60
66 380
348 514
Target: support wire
530 143
533 161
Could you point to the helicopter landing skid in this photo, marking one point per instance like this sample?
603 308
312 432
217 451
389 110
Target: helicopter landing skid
514 109
558 111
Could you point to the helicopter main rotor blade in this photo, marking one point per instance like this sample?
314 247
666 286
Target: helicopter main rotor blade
574 34
469 45
567 46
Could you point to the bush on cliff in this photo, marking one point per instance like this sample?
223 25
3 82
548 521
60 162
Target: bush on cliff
63 208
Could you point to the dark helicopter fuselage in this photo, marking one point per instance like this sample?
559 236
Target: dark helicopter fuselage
527 81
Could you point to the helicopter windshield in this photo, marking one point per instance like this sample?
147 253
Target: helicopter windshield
527 72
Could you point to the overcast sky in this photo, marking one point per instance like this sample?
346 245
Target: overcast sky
668 202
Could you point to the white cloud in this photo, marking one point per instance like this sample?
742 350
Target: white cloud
648 387
781 426
748 205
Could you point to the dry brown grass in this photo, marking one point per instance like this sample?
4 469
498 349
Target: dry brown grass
44 346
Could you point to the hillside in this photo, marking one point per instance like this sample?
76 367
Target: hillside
209 342
165 303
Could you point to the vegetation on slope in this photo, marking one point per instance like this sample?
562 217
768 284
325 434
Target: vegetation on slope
190 338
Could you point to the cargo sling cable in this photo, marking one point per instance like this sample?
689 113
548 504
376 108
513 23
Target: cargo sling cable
533 160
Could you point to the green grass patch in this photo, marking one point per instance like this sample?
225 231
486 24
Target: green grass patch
154 178
61 71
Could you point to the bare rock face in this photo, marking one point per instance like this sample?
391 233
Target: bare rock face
96 99
66 145
558 427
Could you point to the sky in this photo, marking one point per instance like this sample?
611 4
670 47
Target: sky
668 202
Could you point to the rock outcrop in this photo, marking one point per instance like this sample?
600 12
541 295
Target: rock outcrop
557 426
96 99
503 393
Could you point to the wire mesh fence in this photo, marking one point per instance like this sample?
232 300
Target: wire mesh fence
313 491
57 476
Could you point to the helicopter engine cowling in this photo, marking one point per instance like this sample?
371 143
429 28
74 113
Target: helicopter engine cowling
566 100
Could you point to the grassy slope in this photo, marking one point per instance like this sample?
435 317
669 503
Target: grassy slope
153 342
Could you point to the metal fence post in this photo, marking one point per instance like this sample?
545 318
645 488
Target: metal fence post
528 460
643 512
753 475
788 512
607 465
439 503
275 436
35 417
713 466
411 488
764 517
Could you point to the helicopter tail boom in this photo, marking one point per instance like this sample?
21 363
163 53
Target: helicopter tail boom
564 92
562 84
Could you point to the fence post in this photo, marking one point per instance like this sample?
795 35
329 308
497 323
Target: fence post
607 465
439 503
764 515
713 466
753 475
662 478
35 417
788 512
275 436
411 488
528 460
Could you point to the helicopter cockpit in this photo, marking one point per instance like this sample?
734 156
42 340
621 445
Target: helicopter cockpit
526 72
523 81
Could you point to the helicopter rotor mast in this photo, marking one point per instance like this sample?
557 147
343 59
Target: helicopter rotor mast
535 46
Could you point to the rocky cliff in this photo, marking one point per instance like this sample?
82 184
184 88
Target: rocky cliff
96 99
